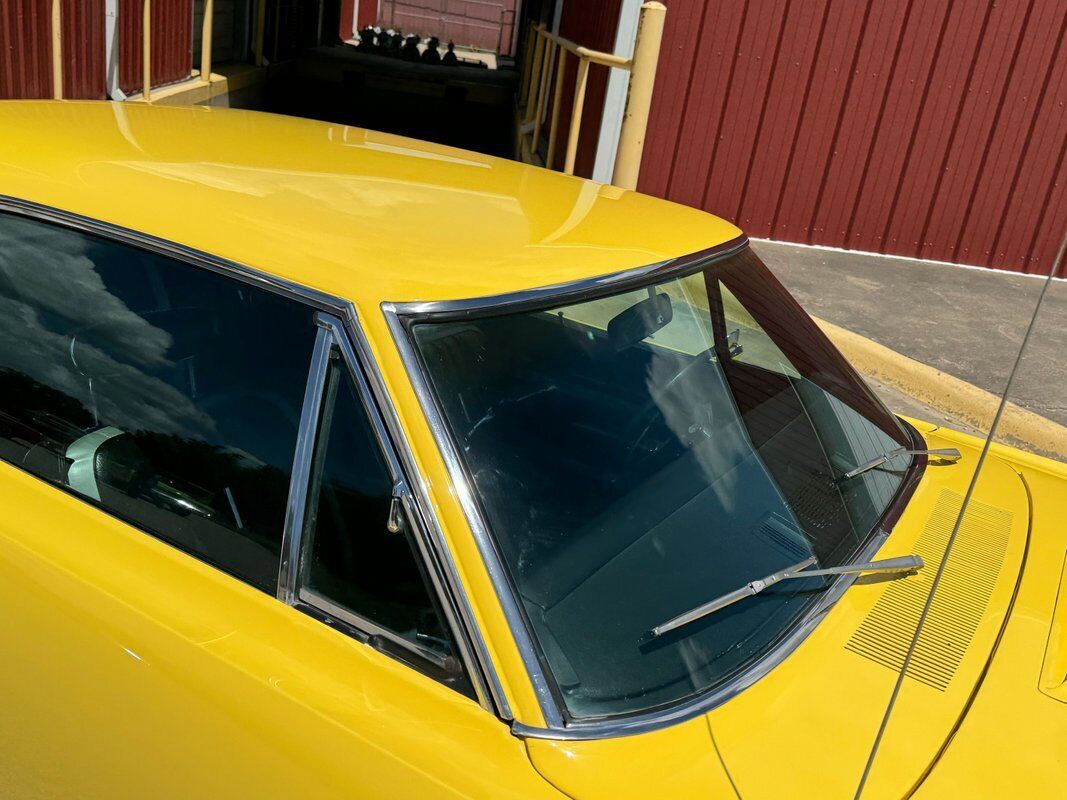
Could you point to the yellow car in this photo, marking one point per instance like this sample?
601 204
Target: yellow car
341 465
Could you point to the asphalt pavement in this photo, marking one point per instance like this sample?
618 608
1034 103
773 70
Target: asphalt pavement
969 323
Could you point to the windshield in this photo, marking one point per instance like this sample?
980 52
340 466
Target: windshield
638 454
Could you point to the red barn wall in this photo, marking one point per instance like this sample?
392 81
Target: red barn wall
26 49
172 42
926 128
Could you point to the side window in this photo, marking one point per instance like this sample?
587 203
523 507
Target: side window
167 394
351 558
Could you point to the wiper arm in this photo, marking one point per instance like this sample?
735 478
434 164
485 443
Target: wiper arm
948 454
901 564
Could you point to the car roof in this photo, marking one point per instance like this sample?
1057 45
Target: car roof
361 215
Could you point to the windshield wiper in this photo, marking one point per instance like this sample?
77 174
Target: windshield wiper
947 454
902 564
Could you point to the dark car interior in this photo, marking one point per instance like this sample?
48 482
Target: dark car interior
603 462
169 395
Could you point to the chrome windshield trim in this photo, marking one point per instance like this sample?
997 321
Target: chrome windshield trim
653 720
295 507
557 727
519 630
438 556
395 447
561 293
395 313
480 668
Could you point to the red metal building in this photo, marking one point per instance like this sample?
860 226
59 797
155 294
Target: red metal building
26 49
935 129
927 128
172 42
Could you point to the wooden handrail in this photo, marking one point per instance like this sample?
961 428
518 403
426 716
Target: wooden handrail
542 45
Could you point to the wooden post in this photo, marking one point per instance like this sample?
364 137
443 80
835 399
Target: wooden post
277 28
527 60
542 91
57 50
639 99
553 119
146 51
576 114
205 41
535 74
261 26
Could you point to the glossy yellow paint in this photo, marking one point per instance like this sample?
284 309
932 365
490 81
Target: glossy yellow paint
185 682
805 730
361 215
140 672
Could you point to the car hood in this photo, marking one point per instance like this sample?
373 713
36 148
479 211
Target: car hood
994 648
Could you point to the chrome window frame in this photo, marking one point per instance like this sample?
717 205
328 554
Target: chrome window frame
558 725
338 322
291 589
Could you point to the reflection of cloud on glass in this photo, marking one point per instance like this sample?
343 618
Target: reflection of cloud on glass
41 313
72 288
127 396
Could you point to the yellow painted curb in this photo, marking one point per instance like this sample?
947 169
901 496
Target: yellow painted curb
948 394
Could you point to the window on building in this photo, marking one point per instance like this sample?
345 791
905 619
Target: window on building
167 394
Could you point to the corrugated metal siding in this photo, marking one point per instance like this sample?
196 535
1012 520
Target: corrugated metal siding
26 45
172 42
933 128
27 49
592 25
84 74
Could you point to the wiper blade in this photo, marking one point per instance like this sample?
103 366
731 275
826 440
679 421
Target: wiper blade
900 564
947 454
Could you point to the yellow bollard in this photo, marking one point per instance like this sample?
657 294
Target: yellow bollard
639 97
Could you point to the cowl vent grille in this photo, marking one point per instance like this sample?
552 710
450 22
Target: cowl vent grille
961 600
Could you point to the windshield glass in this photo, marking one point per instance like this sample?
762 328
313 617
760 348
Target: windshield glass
641 453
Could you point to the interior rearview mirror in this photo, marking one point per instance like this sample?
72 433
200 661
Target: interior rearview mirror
640 321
